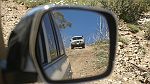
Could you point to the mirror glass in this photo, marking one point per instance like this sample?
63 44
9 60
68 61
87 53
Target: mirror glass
73 44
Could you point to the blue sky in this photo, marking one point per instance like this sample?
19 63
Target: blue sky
84 23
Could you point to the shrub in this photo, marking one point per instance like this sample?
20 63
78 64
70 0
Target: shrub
142 49
123 40
147 34
31 3
101 45
101 49
147 31
128 10
133 28
102 59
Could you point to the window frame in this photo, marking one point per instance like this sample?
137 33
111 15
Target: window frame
55 37
40 46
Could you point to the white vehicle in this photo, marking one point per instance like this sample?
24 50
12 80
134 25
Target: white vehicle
77 41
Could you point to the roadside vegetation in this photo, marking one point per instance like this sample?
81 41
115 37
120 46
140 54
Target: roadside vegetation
147 30
127 10
133 28
130 11
32 3
102 53
123 40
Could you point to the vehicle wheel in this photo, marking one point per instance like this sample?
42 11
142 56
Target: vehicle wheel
72 47
83 46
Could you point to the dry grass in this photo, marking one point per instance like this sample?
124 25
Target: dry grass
102 53
133 28
147 31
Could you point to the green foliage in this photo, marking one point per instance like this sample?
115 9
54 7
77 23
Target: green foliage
123 40
142 49
82 2
147 31
148 2
133 28
128 10
104 44
32 3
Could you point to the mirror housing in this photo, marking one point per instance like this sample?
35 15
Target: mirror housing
12 77
22 44
112 34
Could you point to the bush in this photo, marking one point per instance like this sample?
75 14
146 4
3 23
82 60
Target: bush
101 49
31 3
123 40
148 2
101 45
142 49
133 28
147 34
128 10
103 59
147 31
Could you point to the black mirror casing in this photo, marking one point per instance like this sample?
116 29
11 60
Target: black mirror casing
112 33
18 54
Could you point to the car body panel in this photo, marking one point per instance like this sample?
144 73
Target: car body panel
58 67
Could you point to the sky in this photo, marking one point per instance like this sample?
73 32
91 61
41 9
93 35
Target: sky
84 23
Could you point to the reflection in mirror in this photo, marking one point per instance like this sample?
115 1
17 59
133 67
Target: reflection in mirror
76 46
86 38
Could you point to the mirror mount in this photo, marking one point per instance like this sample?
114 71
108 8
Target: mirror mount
17 77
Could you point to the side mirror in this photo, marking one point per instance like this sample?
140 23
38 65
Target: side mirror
59 62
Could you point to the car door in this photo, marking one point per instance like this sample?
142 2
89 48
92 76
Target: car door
51 51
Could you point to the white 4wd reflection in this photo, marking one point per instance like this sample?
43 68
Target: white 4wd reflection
77 41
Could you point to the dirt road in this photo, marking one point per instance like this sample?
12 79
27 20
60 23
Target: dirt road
84 62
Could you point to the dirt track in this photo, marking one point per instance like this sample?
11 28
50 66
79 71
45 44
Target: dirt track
83 62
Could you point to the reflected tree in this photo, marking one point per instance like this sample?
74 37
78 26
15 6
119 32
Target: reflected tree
102 31
60 20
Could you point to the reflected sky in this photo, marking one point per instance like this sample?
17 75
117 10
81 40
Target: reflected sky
88 24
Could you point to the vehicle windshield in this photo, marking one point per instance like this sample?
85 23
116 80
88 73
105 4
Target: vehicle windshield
77 38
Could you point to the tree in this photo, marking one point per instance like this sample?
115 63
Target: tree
61 20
